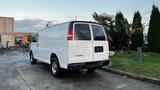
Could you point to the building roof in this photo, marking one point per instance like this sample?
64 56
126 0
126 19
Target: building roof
7 17
16 33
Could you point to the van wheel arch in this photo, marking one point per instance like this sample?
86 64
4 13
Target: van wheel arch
55 66
32 59
55 56
30 52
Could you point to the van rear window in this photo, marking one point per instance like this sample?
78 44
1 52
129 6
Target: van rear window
98 32
82 32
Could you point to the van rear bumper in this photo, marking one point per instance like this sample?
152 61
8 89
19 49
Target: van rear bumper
87 65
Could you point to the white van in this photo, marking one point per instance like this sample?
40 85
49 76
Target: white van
71 45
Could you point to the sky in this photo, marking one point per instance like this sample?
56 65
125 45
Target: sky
64 10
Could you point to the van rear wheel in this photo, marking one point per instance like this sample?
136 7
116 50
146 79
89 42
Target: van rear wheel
55 67
91 69
32 59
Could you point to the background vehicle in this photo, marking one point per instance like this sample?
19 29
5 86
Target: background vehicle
71 45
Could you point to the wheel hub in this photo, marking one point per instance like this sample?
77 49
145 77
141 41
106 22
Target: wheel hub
54 67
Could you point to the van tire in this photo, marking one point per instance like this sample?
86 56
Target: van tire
55 67
32 59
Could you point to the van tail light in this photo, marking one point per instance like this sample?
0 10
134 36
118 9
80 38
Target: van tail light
70 34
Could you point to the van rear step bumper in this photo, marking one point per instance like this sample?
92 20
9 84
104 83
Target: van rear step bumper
87 65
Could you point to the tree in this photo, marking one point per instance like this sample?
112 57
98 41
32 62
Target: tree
122 31
137 31
154 30
119 33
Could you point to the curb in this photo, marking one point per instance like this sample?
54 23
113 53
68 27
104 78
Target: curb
131 75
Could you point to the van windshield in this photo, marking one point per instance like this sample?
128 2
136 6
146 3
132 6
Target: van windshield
98 32
82 32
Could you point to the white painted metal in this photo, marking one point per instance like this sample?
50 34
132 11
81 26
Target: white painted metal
54 40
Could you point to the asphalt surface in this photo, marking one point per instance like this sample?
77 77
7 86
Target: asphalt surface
16 73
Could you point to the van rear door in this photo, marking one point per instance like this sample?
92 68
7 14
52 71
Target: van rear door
82 45
100 44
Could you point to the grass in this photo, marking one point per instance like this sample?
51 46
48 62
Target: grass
128 62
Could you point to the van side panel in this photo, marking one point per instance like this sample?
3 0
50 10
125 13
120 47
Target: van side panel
54 40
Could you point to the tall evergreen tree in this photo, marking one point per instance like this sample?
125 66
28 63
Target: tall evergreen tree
137 31
122 31
154 30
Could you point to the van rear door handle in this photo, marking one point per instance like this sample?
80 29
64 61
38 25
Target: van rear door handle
78 55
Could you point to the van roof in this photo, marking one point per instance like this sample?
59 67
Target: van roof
74 22
84 22
71 22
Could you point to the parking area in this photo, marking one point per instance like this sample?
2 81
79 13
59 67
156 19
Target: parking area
16 73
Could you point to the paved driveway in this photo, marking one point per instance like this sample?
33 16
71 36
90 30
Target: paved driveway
16 73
